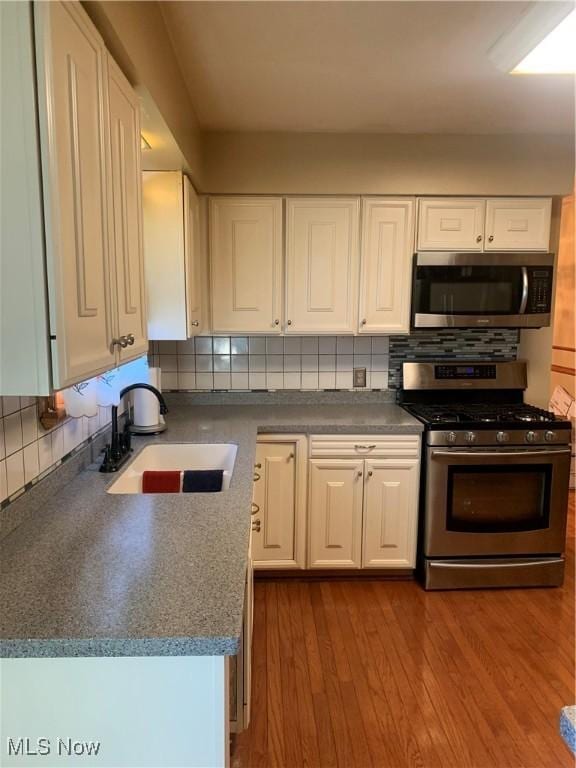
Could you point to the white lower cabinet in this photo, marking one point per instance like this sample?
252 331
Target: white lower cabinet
390 514
353 505
363 501
335 513
279 502
240 666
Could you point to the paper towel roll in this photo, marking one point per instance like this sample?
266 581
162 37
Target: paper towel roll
146 405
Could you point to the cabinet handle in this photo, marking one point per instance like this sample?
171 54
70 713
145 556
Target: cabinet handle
491 239
256 477
130 339
276 322
256 525
365 447
255 508
370 473
364 321
290 456
289 322
258 466
479 239
195 323
360 473
121 341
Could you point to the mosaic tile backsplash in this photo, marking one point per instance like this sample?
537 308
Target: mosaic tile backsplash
315 362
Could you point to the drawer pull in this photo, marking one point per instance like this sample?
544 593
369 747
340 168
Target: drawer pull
255 509
258 466
256 477
365 447
256 525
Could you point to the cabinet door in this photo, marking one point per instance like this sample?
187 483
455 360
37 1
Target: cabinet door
321 265
335 513
386 261
451 224
163 200
246 264
390 514
126 215
275 497
518 224
195 300
73 104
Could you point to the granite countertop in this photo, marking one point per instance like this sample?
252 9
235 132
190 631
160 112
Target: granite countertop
97 574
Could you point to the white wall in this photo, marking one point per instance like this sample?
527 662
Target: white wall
332 163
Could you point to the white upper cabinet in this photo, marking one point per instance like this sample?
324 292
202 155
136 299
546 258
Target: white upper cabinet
390 513
386 264
174 257
322 265
126 214
92 315
72 92
451 224
246 264
493 224
518 224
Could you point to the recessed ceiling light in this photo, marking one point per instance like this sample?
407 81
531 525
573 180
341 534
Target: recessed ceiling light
555 54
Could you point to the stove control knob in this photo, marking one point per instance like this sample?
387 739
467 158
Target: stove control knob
530 436
451 437
549 436
502 437
470 437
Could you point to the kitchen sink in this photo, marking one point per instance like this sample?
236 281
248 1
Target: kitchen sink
176 456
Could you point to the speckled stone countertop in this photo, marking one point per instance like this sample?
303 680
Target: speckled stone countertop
97 574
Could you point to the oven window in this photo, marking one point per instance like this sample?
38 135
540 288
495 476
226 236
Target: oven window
498 499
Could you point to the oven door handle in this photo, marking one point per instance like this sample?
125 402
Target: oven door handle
524 299
498 454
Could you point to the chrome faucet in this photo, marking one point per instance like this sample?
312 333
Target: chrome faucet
120 446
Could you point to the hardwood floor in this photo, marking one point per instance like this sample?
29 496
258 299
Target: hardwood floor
353 674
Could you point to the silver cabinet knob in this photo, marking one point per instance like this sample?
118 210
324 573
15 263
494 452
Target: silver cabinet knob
256 525
121 341
491 239
479 239
195 323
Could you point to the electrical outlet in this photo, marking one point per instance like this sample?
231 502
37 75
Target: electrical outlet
359 377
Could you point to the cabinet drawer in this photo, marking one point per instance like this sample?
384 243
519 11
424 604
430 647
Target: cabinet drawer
364 446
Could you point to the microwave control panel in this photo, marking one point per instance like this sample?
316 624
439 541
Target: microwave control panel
539 290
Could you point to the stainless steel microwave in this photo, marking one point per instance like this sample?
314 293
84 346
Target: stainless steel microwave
482 290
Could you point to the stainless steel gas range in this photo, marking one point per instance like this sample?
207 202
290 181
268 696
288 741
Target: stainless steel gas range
495 477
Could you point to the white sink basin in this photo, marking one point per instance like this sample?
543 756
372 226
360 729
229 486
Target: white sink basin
177 456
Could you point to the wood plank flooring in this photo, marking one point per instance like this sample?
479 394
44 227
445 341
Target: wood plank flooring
360 674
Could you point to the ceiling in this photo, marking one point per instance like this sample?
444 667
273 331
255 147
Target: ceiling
376 67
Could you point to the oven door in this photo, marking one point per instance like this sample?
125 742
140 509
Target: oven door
496 501
481 290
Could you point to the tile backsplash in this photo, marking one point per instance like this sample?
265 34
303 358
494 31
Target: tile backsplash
315 362
28 452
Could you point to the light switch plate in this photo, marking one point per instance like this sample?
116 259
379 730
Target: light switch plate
359 377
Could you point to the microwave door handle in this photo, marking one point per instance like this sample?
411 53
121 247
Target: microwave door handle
524 299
